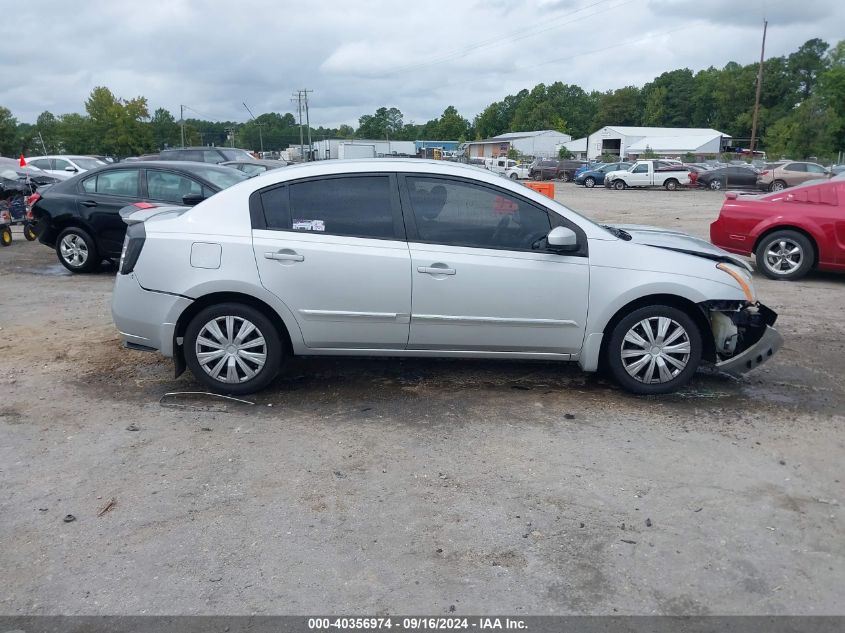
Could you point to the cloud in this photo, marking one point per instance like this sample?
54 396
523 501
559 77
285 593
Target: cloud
357 56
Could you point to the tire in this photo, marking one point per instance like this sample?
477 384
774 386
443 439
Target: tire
671 184
619 185
226 368
564 176
589 182
786 254
655 370
716 184
77 251
5 236
29 232
513 176
778 185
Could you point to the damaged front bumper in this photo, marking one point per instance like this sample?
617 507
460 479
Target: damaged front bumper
743 336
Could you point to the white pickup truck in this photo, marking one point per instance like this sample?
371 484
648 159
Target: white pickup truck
649 173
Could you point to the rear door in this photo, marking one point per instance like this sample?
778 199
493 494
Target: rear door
101 196
333 250
478 283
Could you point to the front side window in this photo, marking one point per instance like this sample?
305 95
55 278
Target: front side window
121 182
251 169
170 187
641 169
356 206
816 169
460 213
211 156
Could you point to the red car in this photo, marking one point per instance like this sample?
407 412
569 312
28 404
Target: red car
790 231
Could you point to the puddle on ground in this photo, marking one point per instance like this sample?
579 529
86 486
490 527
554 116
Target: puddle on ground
56 270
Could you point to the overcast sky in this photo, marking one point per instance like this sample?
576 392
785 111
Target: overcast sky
357 55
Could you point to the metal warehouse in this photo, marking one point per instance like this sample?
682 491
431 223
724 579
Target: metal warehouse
632 142
362 148
540 143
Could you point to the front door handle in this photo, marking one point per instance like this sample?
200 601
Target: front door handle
436 270
89 203
285 256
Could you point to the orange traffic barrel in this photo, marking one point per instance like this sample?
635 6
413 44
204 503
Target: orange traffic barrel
546 188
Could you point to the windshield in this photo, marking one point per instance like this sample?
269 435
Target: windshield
88 163
236 154
220 176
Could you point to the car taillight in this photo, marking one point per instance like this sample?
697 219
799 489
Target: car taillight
132 245
5 216
765 172
144 205
33 199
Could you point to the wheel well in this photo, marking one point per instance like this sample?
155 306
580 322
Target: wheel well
54 227
787 227
691 309
236 297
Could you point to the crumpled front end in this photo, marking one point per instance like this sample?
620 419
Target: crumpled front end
743 335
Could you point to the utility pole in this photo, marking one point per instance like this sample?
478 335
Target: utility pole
307 121
182 122
759 88
260 136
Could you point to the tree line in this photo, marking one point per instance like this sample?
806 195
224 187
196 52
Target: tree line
802 114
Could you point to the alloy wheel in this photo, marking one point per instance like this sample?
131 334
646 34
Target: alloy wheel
655 350
74 250
784 256
231 349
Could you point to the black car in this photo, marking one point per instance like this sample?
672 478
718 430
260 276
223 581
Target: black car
214 155
255 167
80 216
728 177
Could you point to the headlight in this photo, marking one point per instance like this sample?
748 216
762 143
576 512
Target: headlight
743 282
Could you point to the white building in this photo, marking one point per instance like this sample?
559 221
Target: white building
542 143
331 148
577 147
668 142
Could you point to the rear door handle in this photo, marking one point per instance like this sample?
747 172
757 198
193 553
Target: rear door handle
435 270
284 256
89 203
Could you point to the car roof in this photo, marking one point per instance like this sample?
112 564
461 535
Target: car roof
259 161
67 156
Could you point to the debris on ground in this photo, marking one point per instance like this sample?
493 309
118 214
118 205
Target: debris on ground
133 427
111 503
69 518
648 523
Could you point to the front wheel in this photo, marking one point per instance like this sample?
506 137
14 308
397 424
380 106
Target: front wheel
5 236
787 255
513 176
564 176
716 184
233 348
619 185
654 349
589 182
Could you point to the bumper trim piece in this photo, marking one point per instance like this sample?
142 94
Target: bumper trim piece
754 356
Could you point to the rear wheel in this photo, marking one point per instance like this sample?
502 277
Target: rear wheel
785 255
5 236
778 185
233 348
619 185
589 182
654 349
671 184
76 250
29 232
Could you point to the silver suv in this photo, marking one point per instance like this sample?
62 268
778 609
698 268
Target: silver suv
406 257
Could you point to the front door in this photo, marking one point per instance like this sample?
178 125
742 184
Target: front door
333 250
640 176
482 279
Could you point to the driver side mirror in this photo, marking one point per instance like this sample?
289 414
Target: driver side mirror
70 168
562 239
192 198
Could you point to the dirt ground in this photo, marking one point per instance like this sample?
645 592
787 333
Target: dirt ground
416 486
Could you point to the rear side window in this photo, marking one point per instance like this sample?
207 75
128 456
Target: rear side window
121 182
796 167
357 206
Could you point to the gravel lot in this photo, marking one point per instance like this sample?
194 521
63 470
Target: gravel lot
416 486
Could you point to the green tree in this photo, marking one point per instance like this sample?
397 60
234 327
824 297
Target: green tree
618 107
564 153
9 145
165 130
807 63
451 125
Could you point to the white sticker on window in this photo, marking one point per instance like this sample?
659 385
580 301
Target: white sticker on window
309 225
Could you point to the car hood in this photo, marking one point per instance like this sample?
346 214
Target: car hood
680 242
